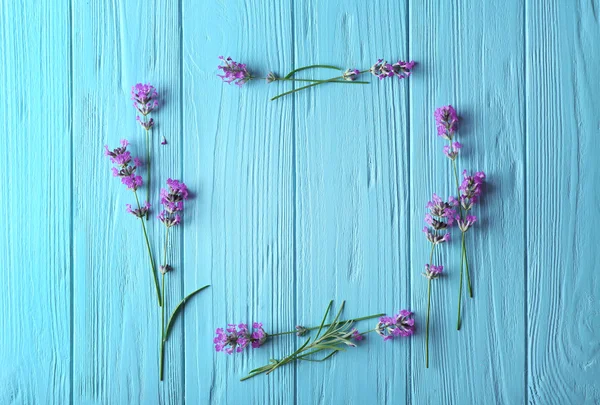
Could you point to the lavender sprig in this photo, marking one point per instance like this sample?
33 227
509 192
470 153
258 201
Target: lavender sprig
440 217
124 169
334 339
238 73
468 191
145 101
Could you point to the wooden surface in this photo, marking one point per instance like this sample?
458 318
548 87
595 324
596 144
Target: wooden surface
313 197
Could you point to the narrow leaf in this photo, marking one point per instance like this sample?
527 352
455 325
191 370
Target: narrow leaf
178 308
311 67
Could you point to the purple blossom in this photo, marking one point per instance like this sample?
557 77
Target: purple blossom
234 72
356 335
434 237
271 78
144 98
140 212
351 74
301 330
465 224
452 150
238 337
446 121
432 272
440 216
124 169
164 269
401 324
163 141
470 189
400 69
172 200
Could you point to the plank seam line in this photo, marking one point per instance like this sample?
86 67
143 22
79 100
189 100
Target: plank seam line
525 210
294 186
71 194
408 140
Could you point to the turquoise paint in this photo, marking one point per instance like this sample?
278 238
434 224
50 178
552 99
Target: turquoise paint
313 197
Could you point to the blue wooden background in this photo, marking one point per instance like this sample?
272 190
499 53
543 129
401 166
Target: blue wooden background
312 197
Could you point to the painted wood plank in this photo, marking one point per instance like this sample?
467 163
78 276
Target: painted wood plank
471 56
352 196
116 316
35 234
562 199
238 156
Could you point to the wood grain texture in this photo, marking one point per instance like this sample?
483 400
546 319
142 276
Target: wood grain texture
116 316
352 196
313 197
562 182
477 68
35 163
240 237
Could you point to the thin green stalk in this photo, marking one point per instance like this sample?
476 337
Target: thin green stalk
428 310
163 336
152 267
327 325
310 67
320 81
458 322
464 249
333 79
148 166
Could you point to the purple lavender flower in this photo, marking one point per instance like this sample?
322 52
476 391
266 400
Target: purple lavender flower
471 188
301 330
147 125
163 141
271 78
435 237
402 69
452 150
356 335
139 212
432 272
164 269
446 121
401 324
234 72
441 216
172 200
465 224
351 74
144 98
121 157
238 337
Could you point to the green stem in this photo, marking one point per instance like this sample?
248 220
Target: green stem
148 166
327 325
310 67
333 79
320 81
152 268
464 249
428 310
458 322
163 336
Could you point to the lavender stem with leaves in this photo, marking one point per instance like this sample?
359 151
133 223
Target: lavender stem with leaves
440 217
238 73
468 192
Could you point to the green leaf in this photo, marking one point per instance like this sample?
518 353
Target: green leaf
178 308
311 67
324 318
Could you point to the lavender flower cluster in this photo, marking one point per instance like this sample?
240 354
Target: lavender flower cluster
144 98
401 69
172 201
440 217
121 157
399 325
235 338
